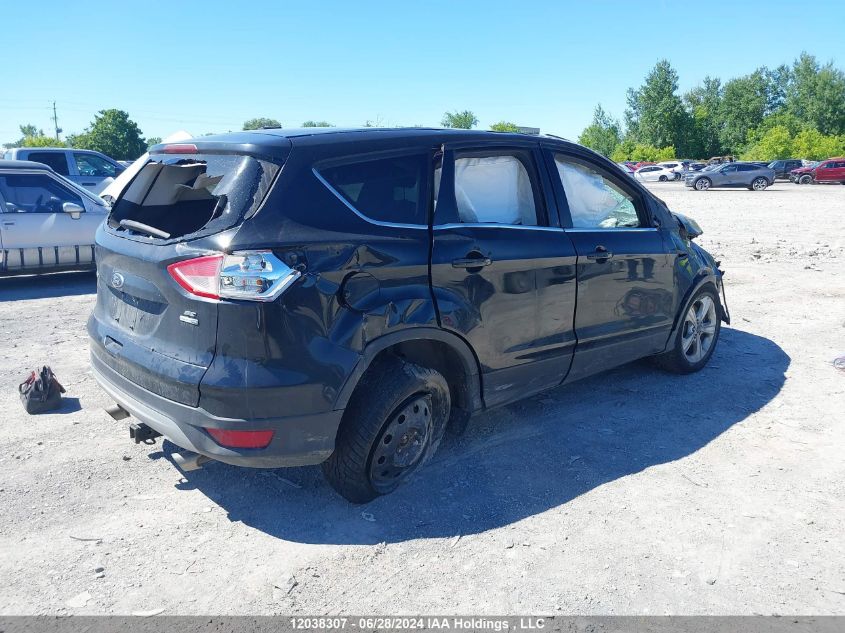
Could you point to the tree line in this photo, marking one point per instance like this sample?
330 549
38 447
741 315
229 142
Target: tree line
795 111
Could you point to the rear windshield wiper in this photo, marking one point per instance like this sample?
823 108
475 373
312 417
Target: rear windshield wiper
144 228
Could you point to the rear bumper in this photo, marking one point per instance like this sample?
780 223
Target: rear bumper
297 440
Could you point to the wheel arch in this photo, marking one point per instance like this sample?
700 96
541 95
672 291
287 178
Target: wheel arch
706 277
430 347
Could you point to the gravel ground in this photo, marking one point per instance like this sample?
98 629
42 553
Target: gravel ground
632 492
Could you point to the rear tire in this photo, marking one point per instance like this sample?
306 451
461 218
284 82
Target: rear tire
759 184
393 424
697 335
702 184
663 179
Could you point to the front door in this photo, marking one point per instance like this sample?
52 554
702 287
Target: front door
37 232
503 274
626 290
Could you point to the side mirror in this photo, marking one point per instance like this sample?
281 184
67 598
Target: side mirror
73 209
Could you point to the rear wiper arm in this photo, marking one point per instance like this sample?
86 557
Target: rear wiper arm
144 228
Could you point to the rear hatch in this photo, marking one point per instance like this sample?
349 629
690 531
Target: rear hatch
180 205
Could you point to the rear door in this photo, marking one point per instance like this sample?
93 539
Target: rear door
37 232
626 290
502 270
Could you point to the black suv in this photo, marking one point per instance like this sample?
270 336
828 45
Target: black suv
783 167
282 298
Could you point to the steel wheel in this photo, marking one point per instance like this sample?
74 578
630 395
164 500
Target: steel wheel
759 184
806 179
702 184
402 443
699 329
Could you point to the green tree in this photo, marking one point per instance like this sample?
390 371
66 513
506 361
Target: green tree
40 141
260 123
113 133
816 95
504 126
602 134
704 106
30 130
813 145
655 114
774 143
317 124
153 140
465 120
744 104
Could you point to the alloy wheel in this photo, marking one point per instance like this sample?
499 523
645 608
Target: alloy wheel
760 184
703 184
699 330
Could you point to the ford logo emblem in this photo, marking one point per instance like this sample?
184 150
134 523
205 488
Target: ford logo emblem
117 280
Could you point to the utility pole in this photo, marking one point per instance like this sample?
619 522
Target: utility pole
56 121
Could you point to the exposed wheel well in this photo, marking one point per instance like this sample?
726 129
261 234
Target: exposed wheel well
440 357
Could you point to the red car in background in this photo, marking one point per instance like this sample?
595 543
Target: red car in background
830 170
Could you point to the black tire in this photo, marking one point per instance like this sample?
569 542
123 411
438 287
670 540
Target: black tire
702 184
678 360
805 179
662 179
369 455
759 184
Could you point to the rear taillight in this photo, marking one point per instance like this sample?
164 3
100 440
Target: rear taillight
252 275
199 276
241 439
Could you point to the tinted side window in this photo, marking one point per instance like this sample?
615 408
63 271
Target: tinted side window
33 193
385 189
747 167
56 160
595 199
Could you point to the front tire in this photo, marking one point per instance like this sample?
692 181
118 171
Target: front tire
806 179
393 424
697 335
703 184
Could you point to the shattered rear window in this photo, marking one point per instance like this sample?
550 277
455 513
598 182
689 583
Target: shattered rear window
193 194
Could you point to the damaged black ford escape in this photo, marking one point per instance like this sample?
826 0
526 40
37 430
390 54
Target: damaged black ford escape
338 297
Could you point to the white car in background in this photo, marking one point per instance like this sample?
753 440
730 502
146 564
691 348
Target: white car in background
654 173
47 222
675 166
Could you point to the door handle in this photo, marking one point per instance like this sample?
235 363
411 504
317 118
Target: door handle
8 223
471 262
601 254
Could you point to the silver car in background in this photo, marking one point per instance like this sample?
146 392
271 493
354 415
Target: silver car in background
736 174
47 222
87 168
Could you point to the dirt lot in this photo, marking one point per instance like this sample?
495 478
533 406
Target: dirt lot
632 492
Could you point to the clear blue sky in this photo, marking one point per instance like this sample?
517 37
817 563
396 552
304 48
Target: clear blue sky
208 66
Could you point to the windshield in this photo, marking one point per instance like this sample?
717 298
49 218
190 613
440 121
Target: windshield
82 190
711 167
